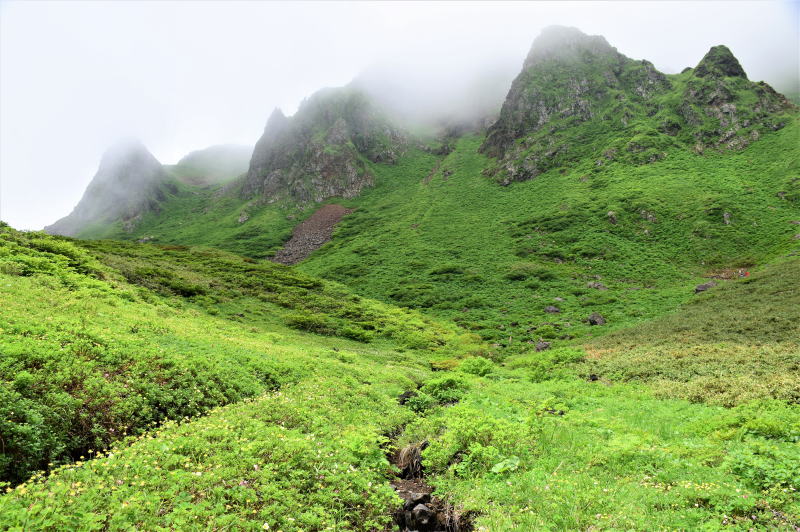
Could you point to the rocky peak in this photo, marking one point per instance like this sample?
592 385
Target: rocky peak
129 182
276 123
577 97
128 162
319 152
566 44
719 62
568 78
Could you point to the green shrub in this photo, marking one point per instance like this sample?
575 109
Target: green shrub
477 366
446 390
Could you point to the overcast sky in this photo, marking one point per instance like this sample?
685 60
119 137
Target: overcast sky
181 76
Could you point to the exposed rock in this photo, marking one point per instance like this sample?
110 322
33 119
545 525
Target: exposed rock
552 309
573 84
596 285
726 218
243 217
649 216
596 319
542 346
129 182
703 287
319 152
311 234
612 217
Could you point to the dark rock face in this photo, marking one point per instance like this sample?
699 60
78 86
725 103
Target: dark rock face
319 152
567 79
129 183
552 309
578 97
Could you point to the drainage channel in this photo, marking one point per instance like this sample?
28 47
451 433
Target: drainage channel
421 511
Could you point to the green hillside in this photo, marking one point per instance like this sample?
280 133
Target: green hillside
585 316
105 342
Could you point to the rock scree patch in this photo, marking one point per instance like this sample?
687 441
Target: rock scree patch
311 234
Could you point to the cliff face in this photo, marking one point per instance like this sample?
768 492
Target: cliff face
129 182
321 151
577 97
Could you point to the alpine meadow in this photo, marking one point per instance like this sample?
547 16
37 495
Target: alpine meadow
574 307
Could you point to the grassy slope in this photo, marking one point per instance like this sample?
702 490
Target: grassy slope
434 233
489 257
529 445
737 342
101 342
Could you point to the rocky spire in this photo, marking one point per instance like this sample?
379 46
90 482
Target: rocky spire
719 62
127 183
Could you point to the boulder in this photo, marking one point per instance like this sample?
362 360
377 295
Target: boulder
542 346
422 516
596 318
703 287
551 309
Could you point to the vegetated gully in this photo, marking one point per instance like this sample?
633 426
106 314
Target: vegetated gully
421 511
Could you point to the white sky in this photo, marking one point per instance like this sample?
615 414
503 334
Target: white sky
75 76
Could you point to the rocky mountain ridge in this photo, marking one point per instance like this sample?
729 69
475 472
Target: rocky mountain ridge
578 97
322 151
577 101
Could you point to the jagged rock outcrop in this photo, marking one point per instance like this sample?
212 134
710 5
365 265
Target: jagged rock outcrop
721 107
129 183
578 97
321 151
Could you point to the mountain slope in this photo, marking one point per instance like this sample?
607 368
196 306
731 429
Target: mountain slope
578 98
613 224
129 183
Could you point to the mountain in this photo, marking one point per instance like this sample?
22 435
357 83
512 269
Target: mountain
213 165
322 151
583 317
577 97
129 183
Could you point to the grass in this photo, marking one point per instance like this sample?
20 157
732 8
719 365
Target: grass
103 342
201 404
735 343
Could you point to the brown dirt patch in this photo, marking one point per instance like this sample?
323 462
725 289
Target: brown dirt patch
311 234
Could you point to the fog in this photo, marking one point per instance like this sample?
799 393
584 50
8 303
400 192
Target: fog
75 76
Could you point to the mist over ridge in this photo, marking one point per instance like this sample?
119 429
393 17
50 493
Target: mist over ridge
210 73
